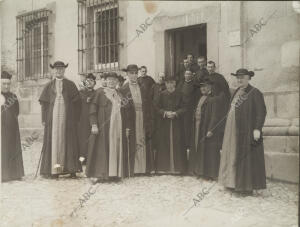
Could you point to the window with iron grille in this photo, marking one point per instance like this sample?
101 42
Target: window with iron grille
33 45
98 36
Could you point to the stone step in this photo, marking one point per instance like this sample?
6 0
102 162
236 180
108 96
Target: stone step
282 166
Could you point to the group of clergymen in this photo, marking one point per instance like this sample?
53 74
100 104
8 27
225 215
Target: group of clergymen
187 124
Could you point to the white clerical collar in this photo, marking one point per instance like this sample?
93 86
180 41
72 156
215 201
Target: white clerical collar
133 83
59 78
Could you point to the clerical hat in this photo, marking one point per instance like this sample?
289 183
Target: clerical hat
58 64
131 68
112 74
242 71
5 75
169 78
91 76
206 81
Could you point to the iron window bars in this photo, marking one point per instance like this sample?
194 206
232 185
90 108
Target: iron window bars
98 36
33 45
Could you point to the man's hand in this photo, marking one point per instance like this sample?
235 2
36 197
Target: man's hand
95 129
173 115
168 114
209 134
43 123
256 134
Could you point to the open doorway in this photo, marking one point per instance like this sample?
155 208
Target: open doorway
182 41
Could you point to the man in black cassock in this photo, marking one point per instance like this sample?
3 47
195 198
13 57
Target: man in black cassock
220 83
220 88
84 127
202 71
188 89
145 81
170 148
204 158
61 105
11 151
157 89
137 124
193 66
242 165
105 150
184 66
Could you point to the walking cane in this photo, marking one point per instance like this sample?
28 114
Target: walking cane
39 164
128 157
39 160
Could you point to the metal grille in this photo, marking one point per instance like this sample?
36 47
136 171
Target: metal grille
98 36
33 45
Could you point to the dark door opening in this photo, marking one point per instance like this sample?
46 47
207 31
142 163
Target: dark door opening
182 41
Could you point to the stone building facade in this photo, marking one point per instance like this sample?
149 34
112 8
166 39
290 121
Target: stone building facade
260 36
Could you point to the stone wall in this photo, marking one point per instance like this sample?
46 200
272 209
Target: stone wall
273 52
63 42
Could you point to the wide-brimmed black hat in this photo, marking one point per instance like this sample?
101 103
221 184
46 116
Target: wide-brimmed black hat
241 72
5 75
169 78
206 81
112 74
91 76
131 68
58 64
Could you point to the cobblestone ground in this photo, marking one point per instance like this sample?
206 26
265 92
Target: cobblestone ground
140 201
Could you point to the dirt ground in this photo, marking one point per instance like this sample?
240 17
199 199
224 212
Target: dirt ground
140 201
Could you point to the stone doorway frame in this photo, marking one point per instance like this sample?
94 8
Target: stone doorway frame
208 14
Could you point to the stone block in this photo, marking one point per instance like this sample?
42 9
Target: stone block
25 106
292 144
25 92
295 122
30 121
275 143
269 100
288 105
282 166
275 131
35 107
36 133
293 131
277 122
290 53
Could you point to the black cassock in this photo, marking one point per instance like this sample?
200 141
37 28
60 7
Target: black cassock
11 151
156 89
146 83
170 156
84 127
250 114
188 90
129 122
73 106
204 158
200 74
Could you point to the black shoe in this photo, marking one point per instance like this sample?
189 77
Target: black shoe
245 193
54 176
73 175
